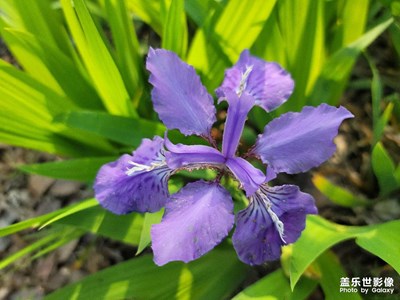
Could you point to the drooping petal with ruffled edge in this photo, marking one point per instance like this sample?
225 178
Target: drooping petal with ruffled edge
135 182
199 216
180 155
267 82
297 142
249 177
275 217
179 97
238 109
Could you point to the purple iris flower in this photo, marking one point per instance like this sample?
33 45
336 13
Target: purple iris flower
200 215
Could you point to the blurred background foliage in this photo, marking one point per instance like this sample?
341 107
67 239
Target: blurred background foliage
76 87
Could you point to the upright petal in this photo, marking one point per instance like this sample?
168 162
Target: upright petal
195 221
249 177
275 217
179 98
297 142
135 182
267 82
238 109
180 155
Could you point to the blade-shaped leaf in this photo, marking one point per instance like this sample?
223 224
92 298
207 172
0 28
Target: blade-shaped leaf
149 12
384 169
308 248
97 220
175 35
334 74
337 194
214 276
128 58
120 129
52 240
219 43
81 169
52 67
102 69
276 286
384 242
149 220
40 220
331 272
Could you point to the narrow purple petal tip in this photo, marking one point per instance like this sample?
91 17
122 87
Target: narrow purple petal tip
199 216
238 109
192 156
179 98
249 177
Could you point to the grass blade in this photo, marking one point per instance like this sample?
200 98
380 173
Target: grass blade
82 169
99 62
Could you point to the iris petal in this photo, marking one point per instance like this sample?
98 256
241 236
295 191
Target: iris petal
267 82
179 98
249 177
135 182
195 221
275 217
180 155
238 109
297 142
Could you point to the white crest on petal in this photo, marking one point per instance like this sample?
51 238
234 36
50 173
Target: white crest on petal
262 198
243 80
159 161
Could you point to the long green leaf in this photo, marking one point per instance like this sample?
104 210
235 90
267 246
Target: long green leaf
39 19
331 82
303 32
331 271
149 12
40 220
276 286
384 242
149 220
307 249
82 169
52 240
384 169
214 276
219 42
120 129
383 120
175 35
128 58
99 62
337 194
52 67
31 125
97 220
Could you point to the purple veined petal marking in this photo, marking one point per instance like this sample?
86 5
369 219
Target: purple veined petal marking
179 97
192 156
250 177
199 216
267 82
137 182
275 217
297 142
238 109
